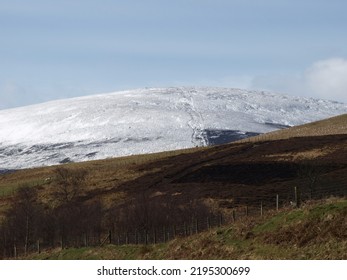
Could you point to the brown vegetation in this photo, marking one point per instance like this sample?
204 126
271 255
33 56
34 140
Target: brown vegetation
82 203
332 126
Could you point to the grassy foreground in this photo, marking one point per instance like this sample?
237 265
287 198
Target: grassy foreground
315 231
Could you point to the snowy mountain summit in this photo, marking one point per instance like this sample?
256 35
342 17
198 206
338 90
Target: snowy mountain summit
144 121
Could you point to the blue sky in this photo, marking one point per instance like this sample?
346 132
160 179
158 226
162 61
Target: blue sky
58 49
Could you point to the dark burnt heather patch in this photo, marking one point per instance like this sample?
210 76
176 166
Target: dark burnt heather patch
251 173
246 173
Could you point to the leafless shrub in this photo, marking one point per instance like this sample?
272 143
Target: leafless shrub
68 183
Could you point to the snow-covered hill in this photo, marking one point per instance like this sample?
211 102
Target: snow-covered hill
146 120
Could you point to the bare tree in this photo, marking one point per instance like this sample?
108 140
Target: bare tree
69 183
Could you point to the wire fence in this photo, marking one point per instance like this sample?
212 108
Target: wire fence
246 206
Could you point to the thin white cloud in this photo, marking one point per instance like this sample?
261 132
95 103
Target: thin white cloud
328 79
324 79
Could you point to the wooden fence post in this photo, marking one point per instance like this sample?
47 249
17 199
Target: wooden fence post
261 209
85 240
296 197
277 202
15 250
110 236
38 246
155 236
164 230
174 232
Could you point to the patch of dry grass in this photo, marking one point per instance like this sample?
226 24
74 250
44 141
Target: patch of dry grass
308 155
104 176
332 126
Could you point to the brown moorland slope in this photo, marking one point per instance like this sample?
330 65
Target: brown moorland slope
232 174
219 179
331 126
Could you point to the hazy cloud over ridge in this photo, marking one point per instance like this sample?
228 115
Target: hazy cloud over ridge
328 79
324 79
